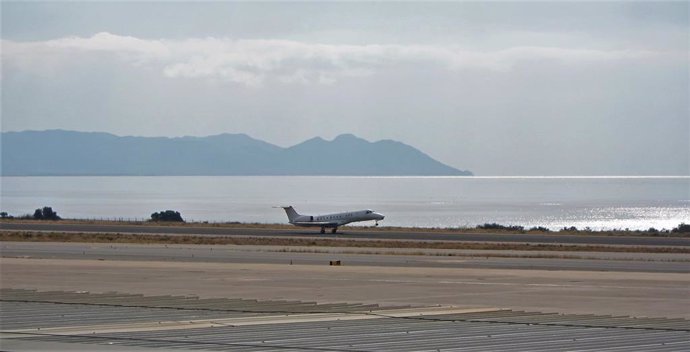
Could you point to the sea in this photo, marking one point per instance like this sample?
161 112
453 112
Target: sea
598 203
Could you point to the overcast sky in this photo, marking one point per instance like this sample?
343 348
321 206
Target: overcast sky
580 88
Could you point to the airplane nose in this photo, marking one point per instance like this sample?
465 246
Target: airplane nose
379 216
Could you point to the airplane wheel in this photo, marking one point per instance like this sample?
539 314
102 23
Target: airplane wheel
323 230
334 230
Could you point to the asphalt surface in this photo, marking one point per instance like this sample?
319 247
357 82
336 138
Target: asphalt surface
410 235
231 254
73 321
653 294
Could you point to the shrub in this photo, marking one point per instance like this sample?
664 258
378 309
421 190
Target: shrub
496 226
168 215
46 213
682 228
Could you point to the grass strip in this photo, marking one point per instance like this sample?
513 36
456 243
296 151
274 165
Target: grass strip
29 236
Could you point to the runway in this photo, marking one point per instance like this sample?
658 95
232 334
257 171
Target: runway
152 297
352 232
655 294
621 262
71 321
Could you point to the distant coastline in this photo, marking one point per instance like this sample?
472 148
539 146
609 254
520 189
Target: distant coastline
72 153
479 177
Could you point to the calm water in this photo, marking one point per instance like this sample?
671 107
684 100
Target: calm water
600 203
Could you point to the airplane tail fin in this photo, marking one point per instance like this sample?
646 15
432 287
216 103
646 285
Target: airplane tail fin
291 213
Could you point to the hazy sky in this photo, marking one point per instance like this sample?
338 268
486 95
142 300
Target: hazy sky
500 88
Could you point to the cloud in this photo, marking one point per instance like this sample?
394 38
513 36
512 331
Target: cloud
253 62
130 48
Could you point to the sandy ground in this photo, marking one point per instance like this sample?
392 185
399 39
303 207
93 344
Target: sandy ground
586 292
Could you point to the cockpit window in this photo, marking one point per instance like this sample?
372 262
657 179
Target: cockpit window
369 211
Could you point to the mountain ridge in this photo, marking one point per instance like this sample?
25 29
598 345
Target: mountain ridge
74 153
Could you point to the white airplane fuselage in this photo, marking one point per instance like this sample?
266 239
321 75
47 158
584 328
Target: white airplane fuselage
332 221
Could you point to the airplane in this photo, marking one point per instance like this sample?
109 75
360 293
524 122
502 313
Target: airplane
331 220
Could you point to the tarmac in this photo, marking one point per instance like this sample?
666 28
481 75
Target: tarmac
32 320
376 257
659 285
137 297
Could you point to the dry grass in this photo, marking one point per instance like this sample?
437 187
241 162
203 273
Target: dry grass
29 236
506 254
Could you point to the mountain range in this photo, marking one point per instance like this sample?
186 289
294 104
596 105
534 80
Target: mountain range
59 152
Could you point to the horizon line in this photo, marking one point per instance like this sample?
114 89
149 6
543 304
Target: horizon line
399 176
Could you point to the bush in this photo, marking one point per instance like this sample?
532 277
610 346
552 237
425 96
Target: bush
168 215
540 229
682 228
46 213
496 226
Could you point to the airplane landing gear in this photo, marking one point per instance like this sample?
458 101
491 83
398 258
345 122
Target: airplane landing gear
323 230
334 230
376 223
